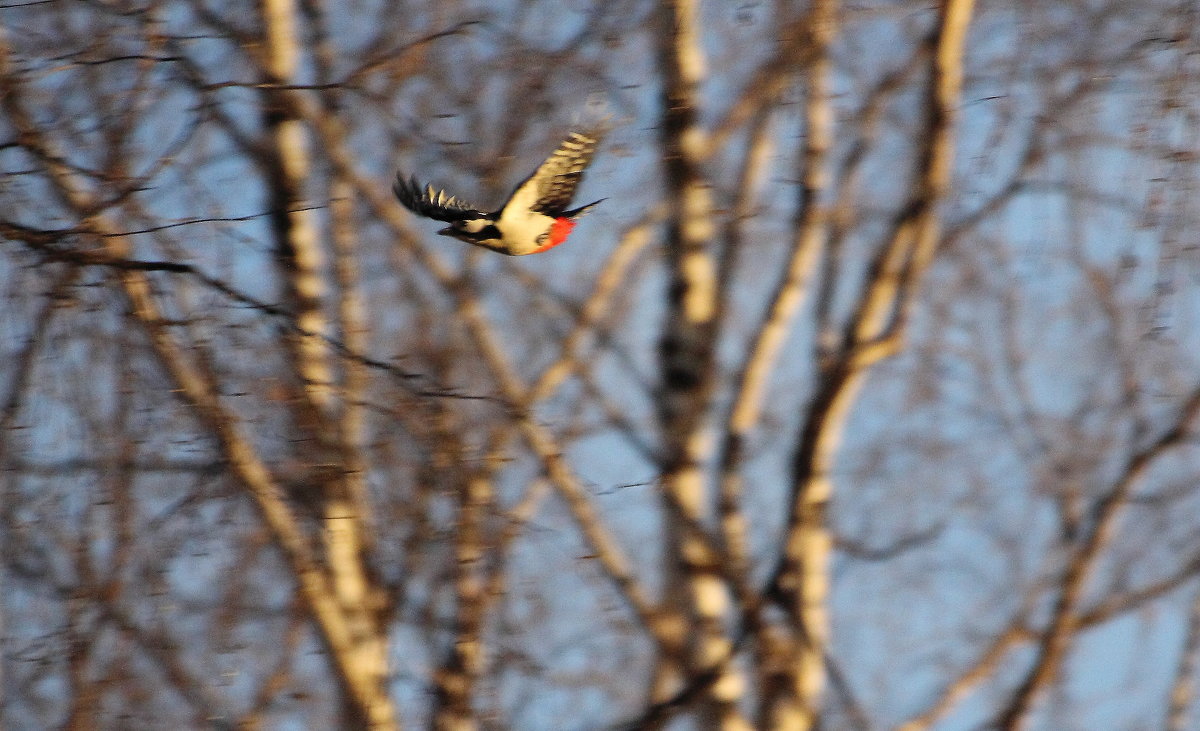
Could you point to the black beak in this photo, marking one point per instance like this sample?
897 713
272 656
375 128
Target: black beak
448 231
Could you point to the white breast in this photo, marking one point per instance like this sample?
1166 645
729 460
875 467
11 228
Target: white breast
522 228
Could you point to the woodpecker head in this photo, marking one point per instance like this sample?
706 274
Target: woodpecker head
480 230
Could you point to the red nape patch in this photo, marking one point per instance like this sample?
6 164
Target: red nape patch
559 231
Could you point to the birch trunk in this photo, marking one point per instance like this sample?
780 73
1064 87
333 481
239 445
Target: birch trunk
301 260
687 362
875 331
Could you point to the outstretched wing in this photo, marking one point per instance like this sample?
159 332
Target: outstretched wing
552 186
425 201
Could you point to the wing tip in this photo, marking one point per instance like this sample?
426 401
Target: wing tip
427 201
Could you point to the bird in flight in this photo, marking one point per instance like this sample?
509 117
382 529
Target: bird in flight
533 219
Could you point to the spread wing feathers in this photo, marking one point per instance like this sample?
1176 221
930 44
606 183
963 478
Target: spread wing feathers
425 201
550 189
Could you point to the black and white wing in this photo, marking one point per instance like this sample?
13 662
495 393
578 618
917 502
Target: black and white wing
552 186
435 204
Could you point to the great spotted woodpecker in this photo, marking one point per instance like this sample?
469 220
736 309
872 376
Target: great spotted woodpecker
532 220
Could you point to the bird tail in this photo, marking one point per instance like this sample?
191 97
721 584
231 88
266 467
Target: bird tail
577 212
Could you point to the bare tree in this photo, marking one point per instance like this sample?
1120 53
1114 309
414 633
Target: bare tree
866 400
